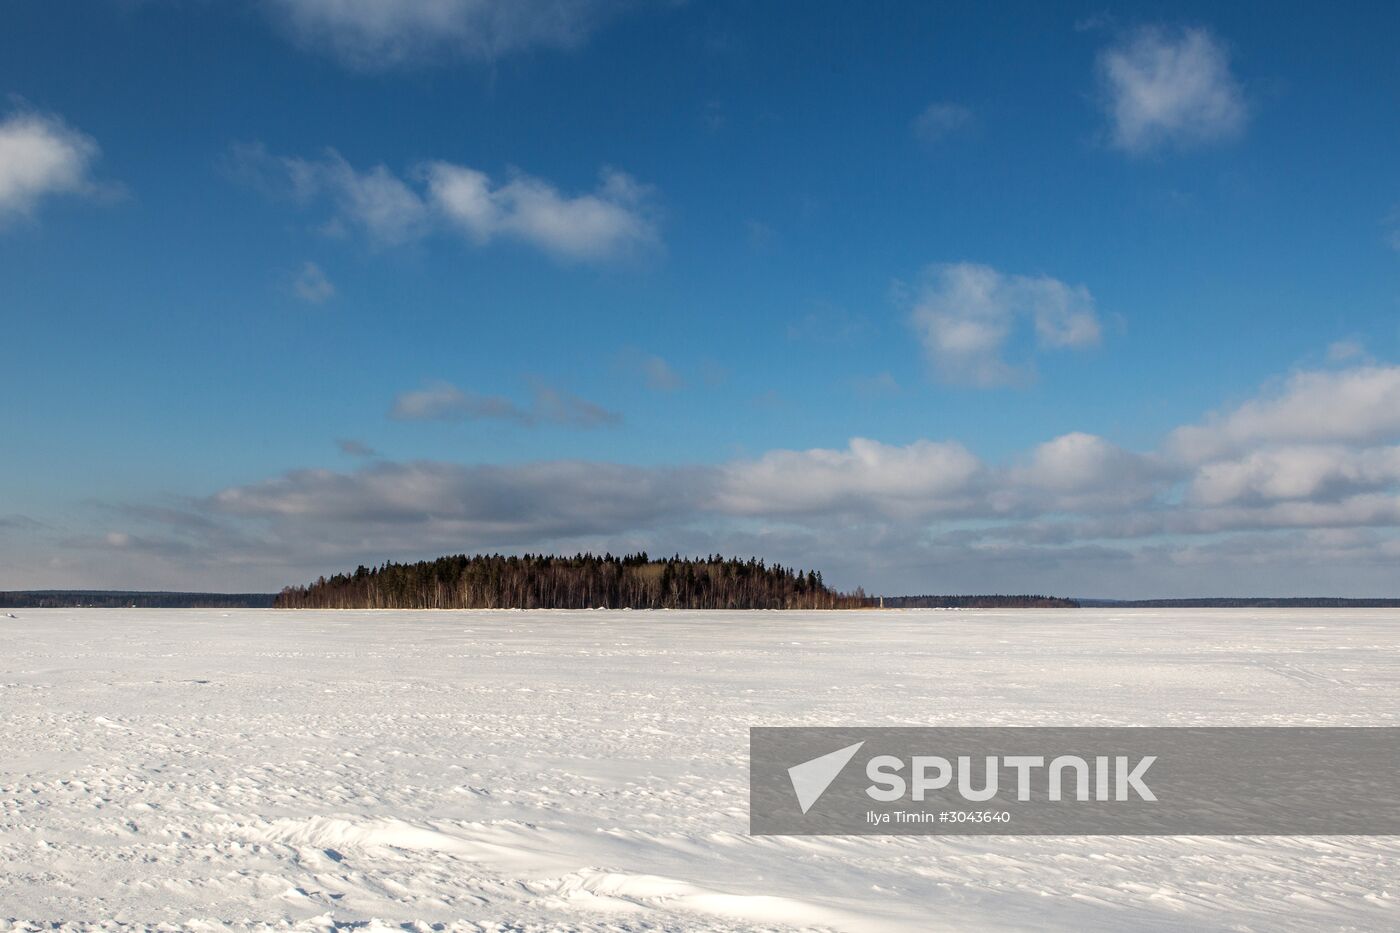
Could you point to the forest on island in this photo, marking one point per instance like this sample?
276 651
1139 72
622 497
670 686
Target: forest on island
584 581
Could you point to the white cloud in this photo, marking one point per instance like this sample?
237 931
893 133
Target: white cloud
377 34
965 314
312 286
441 503
1280 503
939 120
1081 472
923 478
1073 462
1165 87
1316 471
1359 406
442 401
609 222
41 156
375 201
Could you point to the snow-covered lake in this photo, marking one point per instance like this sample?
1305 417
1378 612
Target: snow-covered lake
588 770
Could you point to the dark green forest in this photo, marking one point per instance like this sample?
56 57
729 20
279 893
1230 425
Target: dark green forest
584 581
977 602
138 599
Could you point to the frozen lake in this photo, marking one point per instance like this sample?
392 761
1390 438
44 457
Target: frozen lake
588 770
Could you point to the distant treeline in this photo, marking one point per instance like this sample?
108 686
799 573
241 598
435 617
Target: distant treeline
1244 602
974 602
584 581
117 599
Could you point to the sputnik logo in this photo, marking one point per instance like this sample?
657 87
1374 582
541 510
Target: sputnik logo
811 778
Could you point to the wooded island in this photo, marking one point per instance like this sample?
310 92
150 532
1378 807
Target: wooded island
584 581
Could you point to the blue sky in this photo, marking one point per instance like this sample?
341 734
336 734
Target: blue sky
1045 297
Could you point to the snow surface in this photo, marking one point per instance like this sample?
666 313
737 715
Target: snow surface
587 770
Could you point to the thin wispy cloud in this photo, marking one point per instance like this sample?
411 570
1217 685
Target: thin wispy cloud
879 385
1348 350
374 201
1170 88
1392 229
762 238
41 157
655 372
353 448
312 285
966 314
381 34
443 401
939 121
660 377
615 220
829 324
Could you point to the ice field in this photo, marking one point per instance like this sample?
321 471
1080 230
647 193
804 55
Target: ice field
588 770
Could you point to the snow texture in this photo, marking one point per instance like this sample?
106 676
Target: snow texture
588 770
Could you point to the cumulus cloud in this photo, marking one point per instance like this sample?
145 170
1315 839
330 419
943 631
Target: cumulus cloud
923 478
1316 449
1261 497
965 314
1170 88
1074 498
442 401
1318 472
1082 473
40 157
613 221
481 504
1359 406
377 34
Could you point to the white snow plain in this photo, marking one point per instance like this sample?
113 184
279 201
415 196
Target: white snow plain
588 770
